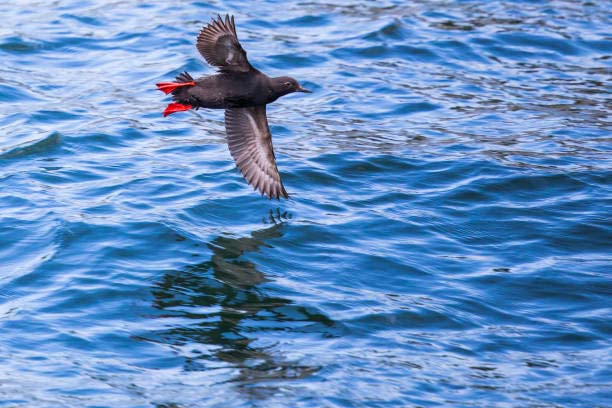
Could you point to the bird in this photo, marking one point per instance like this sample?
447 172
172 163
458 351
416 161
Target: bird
243 91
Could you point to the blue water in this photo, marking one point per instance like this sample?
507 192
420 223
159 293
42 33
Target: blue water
448 242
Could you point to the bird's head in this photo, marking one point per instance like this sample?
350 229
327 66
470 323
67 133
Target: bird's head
286 85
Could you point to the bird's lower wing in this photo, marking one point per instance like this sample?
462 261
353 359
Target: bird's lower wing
250 144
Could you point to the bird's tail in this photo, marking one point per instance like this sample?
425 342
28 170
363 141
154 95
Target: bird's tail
184 77
183 80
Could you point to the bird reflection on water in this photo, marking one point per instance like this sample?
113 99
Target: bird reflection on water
217 302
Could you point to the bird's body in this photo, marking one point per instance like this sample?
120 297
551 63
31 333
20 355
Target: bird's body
227 90
243 92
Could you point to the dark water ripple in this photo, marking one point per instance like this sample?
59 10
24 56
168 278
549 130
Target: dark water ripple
447 244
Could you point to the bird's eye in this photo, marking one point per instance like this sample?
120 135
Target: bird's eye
287 83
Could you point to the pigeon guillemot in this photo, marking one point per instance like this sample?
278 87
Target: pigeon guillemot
243 92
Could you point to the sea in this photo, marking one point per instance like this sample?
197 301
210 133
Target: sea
447 241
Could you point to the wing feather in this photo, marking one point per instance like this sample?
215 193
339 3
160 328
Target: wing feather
218 43
250 144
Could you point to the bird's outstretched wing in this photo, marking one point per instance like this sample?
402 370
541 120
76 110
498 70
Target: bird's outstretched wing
250 144
218 43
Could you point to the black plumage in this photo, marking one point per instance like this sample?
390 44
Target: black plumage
243 92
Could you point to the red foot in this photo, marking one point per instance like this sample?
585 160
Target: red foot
167 87
176 107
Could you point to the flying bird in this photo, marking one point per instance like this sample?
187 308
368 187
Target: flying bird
243 91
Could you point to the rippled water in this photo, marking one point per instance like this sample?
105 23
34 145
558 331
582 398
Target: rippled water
447 244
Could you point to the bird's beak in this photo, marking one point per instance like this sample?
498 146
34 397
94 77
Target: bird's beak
300 89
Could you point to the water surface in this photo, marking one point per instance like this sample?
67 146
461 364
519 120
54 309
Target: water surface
447 243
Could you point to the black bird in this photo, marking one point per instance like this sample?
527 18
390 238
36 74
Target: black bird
243 92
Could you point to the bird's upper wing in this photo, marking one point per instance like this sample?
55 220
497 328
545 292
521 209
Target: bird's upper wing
218 43
250 144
